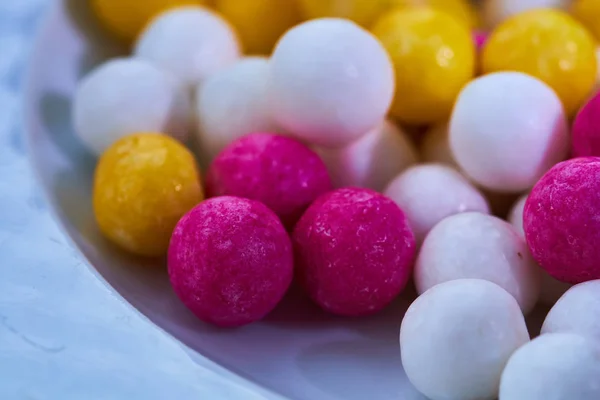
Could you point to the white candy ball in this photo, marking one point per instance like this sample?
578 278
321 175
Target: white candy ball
551 289
554 366
456 338
190 42
475 245
331 81
577 311
428 193
435 147
507 129
372 160
233 103
125 96
496 11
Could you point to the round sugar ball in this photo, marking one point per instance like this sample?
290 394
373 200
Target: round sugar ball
561 220
331 82
143 184
577 311
230 261
428 193
507 130
475 245
278 171
190 42
233 103
456 338
354 251
435 146
551 289
372 160
496 11
586 129
553 366
124 96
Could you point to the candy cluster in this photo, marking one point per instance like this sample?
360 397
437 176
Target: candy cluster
354 145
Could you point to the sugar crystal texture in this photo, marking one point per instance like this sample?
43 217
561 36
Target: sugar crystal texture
562 220
278 171
354 251
230 261
456 338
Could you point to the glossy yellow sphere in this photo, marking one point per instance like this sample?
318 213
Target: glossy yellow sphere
144 183
462 10
363 12
547 44
125 19
260 23
433 56
588 13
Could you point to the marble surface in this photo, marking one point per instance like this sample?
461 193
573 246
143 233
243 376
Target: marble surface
63 334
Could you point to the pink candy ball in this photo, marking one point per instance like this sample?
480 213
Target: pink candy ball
562 220
278 171
479 38
230 261
586 129
354 251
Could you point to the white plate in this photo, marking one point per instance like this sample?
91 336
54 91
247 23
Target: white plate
297 352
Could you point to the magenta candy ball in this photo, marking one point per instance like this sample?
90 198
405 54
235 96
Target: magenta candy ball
230 261
586 129
354 251
278 171
561 220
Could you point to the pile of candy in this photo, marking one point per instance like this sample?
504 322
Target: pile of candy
309 118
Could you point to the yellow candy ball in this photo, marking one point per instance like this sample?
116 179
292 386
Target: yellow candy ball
462 10
363 12
547 44
144 183
125 19
433 56
588 13
259 23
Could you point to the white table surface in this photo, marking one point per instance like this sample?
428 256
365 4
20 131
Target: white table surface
63 334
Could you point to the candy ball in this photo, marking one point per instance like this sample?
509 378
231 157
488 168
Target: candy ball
278 171
479 246
345 91
586 129
461 10
496 11
428 193
435 146
230 261
549 45
360 11
190 42
260 23
125 96
577 311
588 13
354 251
561 223
433 56
456 338
507 129
233 103
125 19
553 366
372 160
143 184
551 289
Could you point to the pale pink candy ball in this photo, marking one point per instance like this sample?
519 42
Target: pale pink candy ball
479 246
371 161
562 223
354 251
551 289
429 193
